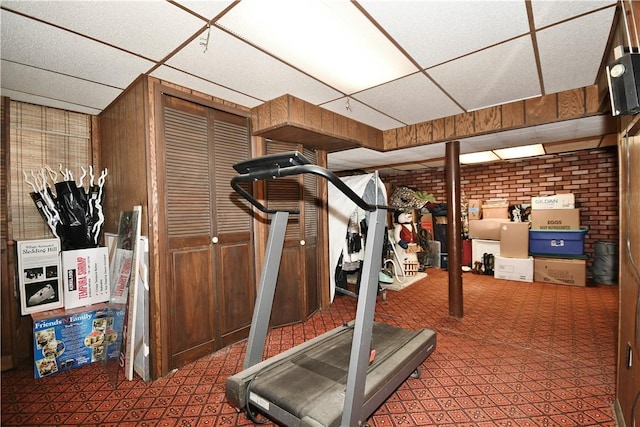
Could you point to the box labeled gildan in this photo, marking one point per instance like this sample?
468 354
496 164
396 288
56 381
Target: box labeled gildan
569 242
65 339
560 270
514 240
557 201
85 277
518 269
555 219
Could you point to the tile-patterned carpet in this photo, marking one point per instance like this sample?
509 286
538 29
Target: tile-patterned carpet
524 354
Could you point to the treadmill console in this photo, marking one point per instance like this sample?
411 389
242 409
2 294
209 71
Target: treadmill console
271 162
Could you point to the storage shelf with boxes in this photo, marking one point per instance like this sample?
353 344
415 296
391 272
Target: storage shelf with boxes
556 240
545 246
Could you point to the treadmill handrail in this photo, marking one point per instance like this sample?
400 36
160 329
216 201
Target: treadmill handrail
279 172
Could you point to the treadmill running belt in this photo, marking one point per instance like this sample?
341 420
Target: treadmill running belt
314 381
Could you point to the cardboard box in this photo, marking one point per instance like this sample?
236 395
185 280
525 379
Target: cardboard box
479 247
514 240
561 271
555 219
569 242
85 277
486 229
495 212
65 339
474 211
519 269
557 201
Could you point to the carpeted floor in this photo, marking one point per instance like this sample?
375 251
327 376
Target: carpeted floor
524 354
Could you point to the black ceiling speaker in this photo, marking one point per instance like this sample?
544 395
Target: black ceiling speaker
624 84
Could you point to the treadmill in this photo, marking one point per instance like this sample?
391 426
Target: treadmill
340 377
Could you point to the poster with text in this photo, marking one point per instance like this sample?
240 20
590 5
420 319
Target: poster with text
39 272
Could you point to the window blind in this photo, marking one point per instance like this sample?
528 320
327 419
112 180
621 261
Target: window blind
42 136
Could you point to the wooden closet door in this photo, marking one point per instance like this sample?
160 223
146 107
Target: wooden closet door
210 288
189 211
311 211
233 251
297 287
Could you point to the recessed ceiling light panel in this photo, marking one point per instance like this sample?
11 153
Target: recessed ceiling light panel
480 157
332 41
520 152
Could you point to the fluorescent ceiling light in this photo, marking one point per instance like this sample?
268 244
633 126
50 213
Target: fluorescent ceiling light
520 152
329 40
481 157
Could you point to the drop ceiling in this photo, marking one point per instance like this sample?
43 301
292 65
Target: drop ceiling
441 58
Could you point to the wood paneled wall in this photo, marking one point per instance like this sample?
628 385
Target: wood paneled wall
290 119
121 139
556 107
628 366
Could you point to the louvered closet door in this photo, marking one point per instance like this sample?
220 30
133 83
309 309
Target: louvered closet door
310 214
296 291
209 287
234 267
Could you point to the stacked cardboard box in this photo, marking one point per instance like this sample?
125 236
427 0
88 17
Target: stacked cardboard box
514 262
493 232
485 219
556 240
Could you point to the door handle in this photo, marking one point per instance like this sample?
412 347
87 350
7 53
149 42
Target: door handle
214 239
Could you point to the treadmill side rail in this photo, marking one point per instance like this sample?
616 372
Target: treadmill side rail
329 380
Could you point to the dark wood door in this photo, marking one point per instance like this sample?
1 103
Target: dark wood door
297 287
210 287
233 250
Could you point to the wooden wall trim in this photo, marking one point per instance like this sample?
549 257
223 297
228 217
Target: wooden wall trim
567 105
198 98
291 119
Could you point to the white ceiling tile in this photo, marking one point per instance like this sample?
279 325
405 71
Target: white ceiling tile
327 39
208 9
95 48
433 32
436 163
355 158
547 12
482 143
571 146
149 28
410 100
362 113
232 63
53 103
186 80
473 79
428 151
570 53
29 42
58 87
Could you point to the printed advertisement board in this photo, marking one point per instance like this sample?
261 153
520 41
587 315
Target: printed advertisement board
39 275
65 339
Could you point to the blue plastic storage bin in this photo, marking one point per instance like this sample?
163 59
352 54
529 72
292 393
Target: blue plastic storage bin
567 242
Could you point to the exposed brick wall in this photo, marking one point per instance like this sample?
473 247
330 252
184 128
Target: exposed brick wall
592 175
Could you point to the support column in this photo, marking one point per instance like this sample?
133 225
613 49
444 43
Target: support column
454 228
